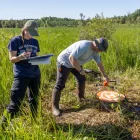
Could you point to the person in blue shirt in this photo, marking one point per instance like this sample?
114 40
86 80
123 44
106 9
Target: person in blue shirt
71 60
26 76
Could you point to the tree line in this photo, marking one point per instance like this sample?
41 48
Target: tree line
130 18
43 22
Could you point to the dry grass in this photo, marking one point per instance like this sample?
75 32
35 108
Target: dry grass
96 119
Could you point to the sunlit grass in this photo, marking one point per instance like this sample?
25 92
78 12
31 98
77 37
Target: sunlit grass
122 59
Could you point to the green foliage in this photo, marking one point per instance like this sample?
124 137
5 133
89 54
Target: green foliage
124 49
97 27
123 54
130 18
43 22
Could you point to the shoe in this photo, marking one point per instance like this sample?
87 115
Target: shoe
55 102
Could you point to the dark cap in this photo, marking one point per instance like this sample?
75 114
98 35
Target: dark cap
32 27
102 44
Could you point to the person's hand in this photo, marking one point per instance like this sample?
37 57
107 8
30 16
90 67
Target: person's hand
105 78
28 54
25 55
83 72
105 83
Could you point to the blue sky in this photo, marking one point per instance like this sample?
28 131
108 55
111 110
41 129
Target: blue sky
23 9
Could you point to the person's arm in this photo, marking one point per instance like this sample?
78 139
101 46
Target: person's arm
76 65
14 58
101 68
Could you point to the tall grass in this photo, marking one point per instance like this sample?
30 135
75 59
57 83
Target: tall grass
123 54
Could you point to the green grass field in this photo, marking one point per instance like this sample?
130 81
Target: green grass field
78 122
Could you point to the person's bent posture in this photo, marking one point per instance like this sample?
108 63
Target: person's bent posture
71 60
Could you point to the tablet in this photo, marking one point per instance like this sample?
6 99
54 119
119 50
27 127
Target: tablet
37 60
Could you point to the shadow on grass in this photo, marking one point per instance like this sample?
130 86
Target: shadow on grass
129 110
78 107
100 132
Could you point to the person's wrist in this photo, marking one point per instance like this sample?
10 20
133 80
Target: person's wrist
20 57
81 70
105 75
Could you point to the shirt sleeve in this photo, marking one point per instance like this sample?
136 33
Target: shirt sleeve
97 58
12 46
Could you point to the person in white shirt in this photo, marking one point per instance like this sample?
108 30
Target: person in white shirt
71 60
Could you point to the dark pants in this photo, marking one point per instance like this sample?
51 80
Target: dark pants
62 75
18 91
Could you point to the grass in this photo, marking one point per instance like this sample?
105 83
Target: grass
78 122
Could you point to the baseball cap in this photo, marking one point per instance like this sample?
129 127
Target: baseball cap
102 44
32 27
